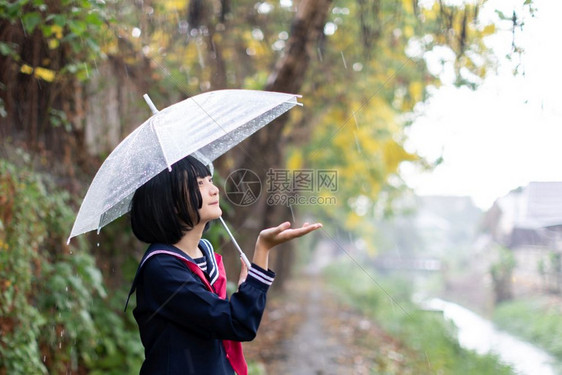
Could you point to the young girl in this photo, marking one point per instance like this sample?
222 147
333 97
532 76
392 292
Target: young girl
187 325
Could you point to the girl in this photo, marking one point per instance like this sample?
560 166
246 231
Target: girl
186 323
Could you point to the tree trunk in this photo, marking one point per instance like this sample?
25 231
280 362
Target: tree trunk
266 149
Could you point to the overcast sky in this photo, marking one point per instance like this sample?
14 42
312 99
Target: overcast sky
506 133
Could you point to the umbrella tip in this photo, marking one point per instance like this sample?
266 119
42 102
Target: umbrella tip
150 104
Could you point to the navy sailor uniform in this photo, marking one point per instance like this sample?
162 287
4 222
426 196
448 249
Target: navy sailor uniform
181 322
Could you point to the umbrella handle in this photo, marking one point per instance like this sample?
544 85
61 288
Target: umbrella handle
242 255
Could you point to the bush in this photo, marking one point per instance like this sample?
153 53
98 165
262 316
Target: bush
56 316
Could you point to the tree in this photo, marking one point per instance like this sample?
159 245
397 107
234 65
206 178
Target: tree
266 150
363 84
501 271
46 47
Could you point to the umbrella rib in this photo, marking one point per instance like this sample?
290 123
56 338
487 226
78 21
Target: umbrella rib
227 133
160 144
292 99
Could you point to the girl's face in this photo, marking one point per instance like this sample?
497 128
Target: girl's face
210 209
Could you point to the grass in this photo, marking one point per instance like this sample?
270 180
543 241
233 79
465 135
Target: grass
431 341
537 320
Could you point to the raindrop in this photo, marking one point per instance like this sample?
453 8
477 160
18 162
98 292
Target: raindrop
283 35
343 59
257 34
357 66
286 3
98 244
66 288
319 53
183 27
250 51
204 30
278 45
357 144
337 10
44 358
136 32
330 28
264 8
199 54
292 213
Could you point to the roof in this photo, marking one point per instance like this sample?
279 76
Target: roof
544 204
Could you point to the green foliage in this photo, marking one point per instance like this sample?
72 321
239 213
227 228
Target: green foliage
504 265
538 320
71 25
55 313
432 344
256 369
501 271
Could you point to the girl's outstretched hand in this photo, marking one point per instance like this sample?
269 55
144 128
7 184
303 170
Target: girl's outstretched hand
271 237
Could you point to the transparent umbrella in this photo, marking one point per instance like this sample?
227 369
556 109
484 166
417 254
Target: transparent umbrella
204 126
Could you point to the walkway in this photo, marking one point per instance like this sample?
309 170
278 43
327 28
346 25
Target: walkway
309 333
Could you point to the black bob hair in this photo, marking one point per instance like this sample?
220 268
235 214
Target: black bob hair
166 207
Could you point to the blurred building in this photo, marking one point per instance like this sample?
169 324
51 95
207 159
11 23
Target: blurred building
528 221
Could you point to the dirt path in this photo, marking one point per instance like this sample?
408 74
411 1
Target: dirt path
308 332
312 349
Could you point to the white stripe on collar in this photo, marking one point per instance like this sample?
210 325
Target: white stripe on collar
212 267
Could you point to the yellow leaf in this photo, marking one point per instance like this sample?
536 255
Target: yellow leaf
57 30
416 91
53 43
394 155
489 29
408 31
26 69
295 160
175 5
45 74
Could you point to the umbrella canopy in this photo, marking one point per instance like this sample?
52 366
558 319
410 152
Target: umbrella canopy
205 126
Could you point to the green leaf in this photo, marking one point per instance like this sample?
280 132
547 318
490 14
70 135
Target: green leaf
59 20
6 50
13 10
77 27
30 21
93 19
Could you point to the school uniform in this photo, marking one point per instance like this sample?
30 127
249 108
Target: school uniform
187 324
